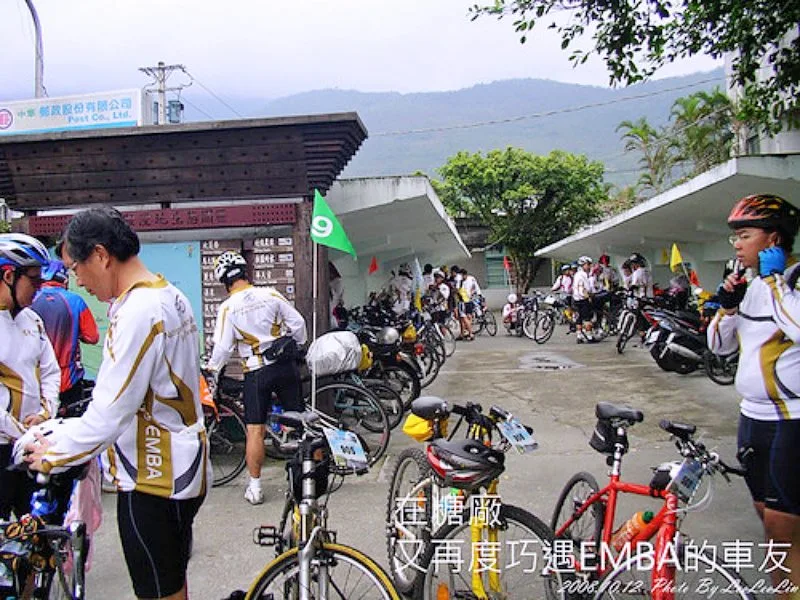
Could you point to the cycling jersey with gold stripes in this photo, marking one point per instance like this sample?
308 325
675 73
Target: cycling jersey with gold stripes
250 320
766 331
30 378
145 407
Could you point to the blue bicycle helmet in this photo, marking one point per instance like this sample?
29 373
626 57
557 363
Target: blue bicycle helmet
55 271
20 250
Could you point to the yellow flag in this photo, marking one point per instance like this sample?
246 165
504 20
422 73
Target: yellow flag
418 299
676 259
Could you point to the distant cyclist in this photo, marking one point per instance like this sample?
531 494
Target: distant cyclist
250 321
641 278
68 321
582 300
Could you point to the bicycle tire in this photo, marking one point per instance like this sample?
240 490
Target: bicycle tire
589 526
227 438
354 408
72 585
390 400
453 325
431 364
630 579
626 331
543 583
545 326
529 325
720 369
491 323
448 339
279 579
401 565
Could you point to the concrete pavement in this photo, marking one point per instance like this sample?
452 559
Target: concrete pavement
553 388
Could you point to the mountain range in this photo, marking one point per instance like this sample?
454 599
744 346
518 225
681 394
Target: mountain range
419 131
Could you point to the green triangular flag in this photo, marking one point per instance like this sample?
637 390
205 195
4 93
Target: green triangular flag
325 227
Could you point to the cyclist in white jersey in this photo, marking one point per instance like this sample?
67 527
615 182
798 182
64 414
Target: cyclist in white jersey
30 377
762 321
252 320
145 410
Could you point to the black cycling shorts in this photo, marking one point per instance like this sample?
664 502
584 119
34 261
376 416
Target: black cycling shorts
283 379
584 310
156 536
772 473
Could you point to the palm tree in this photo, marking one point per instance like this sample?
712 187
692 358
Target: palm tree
656 149
703 129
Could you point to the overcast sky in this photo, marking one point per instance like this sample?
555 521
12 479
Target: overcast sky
267 49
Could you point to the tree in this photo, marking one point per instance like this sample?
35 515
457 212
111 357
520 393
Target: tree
527 201
703 129
657 152
636 37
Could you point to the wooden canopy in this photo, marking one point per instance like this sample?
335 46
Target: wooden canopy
255 159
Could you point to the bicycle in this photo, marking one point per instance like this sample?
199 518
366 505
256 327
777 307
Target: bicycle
584 515
225 429
484 318
433 486
309 563
34 554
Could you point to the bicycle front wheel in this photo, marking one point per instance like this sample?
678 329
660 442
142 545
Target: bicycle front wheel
545 326
355 408
529 325
517 560
697 576
227 437
337 571
589 525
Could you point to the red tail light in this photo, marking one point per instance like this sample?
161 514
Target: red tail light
419 349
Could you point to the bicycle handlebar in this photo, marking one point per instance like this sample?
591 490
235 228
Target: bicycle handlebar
690 447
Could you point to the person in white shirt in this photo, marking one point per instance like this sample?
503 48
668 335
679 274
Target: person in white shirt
627 272
582 300
402 287
441 292
30 377
145 410
466 308
427 277
761 320
255 321
641 279
563 283
510 312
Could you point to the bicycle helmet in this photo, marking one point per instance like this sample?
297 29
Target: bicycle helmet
637 259
765 211
512 298
228 265
565 268
585 260
465 464
55 271
20 250
387 336
604 260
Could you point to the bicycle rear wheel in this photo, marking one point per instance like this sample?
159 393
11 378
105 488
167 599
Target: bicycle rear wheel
522 537
491 323
337 571
448 339
355 409
697 576
391 402
403 379
227 437
529 325
545 326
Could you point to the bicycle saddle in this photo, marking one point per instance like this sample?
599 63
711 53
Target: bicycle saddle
680 430
430 407
606 410
297 420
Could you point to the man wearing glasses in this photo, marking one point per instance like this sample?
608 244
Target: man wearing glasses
145 411
29 372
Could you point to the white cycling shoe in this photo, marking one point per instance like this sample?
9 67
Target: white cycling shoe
254 495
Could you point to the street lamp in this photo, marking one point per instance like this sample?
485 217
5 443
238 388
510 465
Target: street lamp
39 66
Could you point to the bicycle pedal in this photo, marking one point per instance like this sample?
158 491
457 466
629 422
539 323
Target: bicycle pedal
266 535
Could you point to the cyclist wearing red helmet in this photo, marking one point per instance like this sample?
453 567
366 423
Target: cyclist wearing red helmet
762 321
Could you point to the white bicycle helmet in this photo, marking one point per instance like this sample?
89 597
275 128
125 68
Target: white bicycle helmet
512 298
228 265
585 260
20 250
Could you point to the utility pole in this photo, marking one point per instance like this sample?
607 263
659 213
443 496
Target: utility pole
39 56
160 74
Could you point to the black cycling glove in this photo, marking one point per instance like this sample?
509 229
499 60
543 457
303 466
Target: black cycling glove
732 299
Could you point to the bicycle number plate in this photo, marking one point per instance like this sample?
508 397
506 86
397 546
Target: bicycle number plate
687 479
517 436
346 449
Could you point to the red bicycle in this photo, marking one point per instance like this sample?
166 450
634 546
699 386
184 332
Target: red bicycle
671 567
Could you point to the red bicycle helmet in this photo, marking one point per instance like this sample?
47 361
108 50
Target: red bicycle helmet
764 211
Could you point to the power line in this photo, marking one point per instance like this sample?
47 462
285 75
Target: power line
548 113
210 91
197 108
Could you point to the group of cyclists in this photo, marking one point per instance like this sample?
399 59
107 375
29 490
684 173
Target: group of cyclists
145 417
